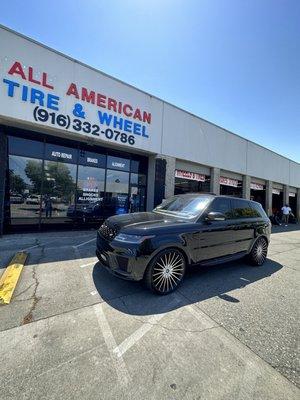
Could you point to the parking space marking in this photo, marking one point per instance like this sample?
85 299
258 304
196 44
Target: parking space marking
140 332
119 363
137 335
87 265
82 244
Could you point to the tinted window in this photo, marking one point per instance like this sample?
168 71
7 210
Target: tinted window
25 147
242 209
221 205
258 210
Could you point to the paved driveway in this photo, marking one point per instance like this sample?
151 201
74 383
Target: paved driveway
73 331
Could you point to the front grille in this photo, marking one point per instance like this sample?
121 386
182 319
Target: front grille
108 232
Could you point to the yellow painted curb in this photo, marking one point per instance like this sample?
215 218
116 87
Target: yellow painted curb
10 277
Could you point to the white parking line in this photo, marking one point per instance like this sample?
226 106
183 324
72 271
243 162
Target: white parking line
87 265
137 335
140 332
82 244
119 363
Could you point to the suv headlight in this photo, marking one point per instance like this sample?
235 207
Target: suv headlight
123 237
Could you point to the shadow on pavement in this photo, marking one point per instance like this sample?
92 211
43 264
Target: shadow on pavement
282 228
200 283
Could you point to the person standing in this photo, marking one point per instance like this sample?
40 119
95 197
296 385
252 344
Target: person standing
48 206
286 210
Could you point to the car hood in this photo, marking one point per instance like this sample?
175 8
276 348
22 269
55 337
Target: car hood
144 223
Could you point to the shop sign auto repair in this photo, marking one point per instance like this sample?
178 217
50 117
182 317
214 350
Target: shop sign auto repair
116 120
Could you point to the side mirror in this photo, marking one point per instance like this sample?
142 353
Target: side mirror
215 216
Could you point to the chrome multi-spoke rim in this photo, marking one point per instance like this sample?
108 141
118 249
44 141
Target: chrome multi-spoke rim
260 251
168 271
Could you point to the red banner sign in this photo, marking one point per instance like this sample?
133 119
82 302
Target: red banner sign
228 181
192 176
256 186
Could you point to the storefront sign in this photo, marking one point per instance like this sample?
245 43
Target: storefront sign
228 181
92 159
256 186
276 191
121 164
60 153
193 176
42 87
292 194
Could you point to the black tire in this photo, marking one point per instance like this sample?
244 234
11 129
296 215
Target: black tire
165 272
258 253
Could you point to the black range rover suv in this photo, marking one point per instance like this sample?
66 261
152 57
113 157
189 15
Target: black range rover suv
187 229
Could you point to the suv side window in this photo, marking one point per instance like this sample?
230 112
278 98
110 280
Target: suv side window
258 210
242 209
222 205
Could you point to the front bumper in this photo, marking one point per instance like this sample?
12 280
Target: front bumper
123 260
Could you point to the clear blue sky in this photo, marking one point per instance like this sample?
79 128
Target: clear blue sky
233 62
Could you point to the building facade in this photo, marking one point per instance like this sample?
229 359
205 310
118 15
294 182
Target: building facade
77 145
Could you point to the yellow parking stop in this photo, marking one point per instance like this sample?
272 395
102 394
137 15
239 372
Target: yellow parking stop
10 277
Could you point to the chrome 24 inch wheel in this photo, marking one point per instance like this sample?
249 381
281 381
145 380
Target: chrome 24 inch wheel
166 271
259 252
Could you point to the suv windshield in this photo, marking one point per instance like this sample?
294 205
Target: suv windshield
184 206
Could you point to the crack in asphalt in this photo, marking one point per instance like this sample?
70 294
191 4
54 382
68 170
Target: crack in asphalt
35 299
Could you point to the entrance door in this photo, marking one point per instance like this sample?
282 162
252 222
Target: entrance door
137 198
117 187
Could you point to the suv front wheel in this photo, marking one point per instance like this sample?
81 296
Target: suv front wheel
165 272
258 253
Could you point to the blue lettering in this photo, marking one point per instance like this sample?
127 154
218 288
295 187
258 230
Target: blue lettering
52 102
118 122
11 87
127 125
137 128
24 93
104 118
37 95
144 134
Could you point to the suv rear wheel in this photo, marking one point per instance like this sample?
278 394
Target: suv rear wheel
258 253
165 272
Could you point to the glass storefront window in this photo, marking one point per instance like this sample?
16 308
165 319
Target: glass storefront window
90 194
138 179
58 189
57 181
117 186
25 177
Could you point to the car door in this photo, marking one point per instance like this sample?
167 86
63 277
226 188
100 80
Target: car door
244 222
216 238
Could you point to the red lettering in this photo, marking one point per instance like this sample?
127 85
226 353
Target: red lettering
137 114
30 76
147 117
44 81
120 107
127 113
86 96
112 104
101 100
73 91
17 69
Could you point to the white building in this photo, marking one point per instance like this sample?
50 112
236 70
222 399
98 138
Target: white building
77 144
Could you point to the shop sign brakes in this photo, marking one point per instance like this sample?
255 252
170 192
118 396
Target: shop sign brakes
109 117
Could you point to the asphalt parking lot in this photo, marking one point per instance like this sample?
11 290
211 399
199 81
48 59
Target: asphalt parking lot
73 331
